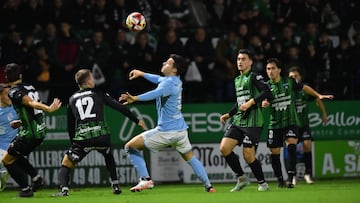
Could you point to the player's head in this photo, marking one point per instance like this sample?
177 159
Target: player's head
84 78
294 72
244 60
179 63
4 99
12 72
273 69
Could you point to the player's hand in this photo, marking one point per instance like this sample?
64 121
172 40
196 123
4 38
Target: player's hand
142 125
326 96
128 98
55 105
224 117
135 74
15 124
265 103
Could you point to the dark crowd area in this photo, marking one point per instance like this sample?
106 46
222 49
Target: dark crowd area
52 39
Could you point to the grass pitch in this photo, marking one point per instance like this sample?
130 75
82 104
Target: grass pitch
323 191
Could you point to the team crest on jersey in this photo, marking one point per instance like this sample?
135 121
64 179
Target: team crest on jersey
286 85
259 77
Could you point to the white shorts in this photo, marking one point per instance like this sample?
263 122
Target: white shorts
156 140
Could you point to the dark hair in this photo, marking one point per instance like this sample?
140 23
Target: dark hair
82 75
295 69
276 62
247 52
12 72
179 63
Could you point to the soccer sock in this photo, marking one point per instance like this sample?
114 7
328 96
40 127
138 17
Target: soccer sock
291 160
138 161
110 165
18 174
64 176
233 160
276 165
27 167
308 162
199 170
257 171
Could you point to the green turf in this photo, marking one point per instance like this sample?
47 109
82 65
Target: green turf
325 191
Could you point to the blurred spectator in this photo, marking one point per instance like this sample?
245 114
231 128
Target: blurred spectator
256 47
341 78
293 58
220 16
119 65
200 51
141 57
284 13
98 15
12 51
355 64
95 55
310 36
40 73
179 10
50 40
353 30
56 12
117 16
67 56
312 11
168 44
33 16
80 17
225 68
243 33
287 37
10 15
330 21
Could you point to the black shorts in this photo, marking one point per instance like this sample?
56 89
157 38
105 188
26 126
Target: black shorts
304 133
247 136
276 137
79 149
21 146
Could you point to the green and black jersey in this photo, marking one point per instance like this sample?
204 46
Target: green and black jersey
301 101
86 114
33 123
247 86
283 109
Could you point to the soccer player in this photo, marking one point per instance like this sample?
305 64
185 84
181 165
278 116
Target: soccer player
88 129
30 110
304 129
7 133
283 118
247 124
171 129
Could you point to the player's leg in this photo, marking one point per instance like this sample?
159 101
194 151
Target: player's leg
4 175
133 149
252 138
307 141
274 143
111 168
183 146
308 162
291 141
73 156
233 137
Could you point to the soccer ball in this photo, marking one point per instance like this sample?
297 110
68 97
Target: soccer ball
135 21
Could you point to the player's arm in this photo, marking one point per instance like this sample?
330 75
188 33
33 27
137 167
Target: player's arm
55 105
320 104
147 96
123 109
232 112
309 90
138 73
264 93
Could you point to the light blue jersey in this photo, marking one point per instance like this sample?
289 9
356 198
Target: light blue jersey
168 101
7 134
